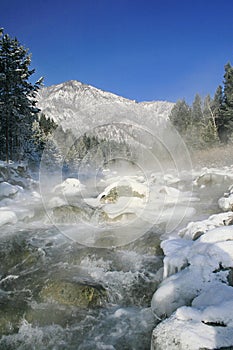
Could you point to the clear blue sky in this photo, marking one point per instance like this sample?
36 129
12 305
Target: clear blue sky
139 49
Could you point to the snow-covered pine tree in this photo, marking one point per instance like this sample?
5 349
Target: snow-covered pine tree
17 99
225 120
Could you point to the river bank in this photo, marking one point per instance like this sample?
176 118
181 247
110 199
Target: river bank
194 300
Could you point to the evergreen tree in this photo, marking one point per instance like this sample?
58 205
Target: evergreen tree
217 103
197 126
225 121
47 124
42 130
181 116
52 154
197 115
17 99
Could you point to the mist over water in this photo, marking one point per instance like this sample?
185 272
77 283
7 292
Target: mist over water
80 269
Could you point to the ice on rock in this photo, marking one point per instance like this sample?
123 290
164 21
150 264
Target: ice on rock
194 265
176 251
196 273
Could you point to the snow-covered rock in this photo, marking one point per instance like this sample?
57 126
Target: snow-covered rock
125 187
56 202
189 328
177 290
195 229
226 202
135 196
123 197
7 217
71 187
196 273
213 296
191 263
7 190
213 176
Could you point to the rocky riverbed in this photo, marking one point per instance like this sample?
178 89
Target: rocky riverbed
80 264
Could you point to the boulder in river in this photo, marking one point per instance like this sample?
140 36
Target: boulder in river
7 190
71 214
73 294
226 202
212 177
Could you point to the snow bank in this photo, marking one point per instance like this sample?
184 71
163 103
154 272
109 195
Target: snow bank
190 328
189 266
198 267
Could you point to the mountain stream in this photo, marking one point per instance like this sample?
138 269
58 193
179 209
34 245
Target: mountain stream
56 292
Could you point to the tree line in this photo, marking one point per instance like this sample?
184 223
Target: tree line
24 131
207 122
57 147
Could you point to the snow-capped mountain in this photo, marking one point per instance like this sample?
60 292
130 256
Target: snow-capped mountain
76 105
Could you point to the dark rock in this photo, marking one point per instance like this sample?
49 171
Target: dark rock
71 214
72 294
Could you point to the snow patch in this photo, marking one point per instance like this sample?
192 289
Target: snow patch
7 190
7 217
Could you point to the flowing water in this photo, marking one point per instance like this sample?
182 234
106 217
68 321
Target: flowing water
42 269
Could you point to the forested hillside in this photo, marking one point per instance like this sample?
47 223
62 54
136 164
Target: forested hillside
207 122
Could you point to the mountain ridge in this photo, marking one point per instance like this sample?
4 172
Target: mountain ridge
75 103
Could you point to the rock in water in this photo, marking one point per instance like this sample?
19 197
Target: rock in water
73 294
71 214
226 202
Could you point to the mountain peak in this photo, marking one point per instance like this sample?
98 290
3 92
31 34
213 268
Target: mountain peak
74 103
